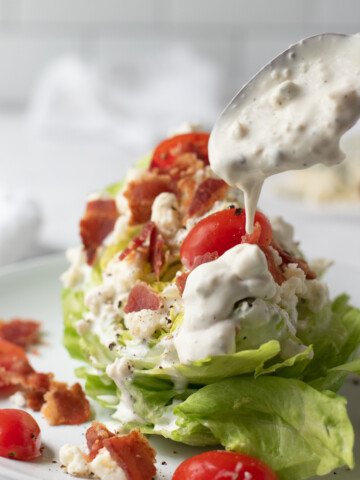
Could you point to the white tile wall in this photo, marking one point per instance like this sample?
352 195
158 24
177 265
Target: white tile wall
235 12
84 12
238 36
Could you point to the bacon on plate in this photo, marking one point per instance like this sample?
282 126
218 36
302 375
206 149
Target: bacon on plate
19 331
64 405
95 436
133 454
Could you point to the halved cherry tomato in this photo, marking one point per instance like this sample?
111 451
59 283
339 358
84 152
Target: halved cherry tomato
221 231
9 355
166 152
221 465
20 436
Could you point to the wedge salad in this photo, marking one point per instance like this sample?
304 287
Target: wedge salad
195 330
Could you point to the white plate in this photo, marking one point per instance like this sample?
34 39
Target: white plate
32 289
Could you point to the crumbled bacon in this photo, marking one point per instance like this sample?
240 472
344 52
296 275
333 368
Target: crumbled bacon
254 237
13 364
39 389
156 251
138 241
65 406
142 297
36 385
133 454
198 260
142 193
186 188
20 332
208 192
207 257
183 166
287 258
98 221
95 436
275 269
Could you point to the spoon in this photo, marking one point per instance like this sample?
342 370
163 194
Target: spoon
290 115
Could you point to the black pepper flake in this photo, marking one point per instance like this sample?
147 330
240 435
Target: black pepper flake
54 461
33 435
163 463
244 338
231 206
112 345
119 303
238 212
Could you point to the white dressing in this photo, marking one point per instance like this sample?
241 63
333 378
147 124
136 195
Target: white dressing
290 116
211 291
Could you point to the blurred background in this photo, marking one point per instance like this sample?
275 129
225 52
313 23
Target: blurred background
89 86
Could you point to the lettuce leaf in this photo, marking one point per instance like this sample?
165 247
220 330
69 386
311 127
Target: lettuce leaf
217 368
296 429
335 337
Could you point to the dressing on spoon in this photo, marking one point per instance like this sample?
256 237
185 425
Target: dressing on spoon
290 116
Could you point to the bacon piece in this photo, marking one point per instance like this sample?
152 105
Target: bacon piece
181 281
156 252
207 257
254 237
14 364
36 385
198 260
138 241
98 221
16 370
142 297
185 165
274 269
208 192
65 406
186 188
20 332
133 454
287 258
142 193
95 436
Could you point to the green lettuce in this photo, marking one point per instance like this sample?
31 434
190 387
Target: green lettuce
291 426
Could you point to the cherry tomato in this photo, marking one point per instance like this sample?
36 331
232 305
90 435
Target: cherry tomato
221 231
9 354
221 465
19 435
166 152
